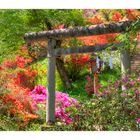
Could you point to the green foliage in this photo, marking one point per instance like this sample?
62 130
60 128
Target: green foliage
7 123
109 75
108 113
33 126
15 23
129 37
13 26
111 113
41 67
78 87
112 110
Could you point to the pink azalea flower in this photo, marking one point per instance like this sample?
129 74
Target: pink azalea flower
138 120
137 92
63 101
132 82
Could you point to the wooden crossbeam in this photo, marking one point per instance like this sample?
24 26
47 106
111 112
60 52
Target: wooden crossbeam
79 31
78 49
86 49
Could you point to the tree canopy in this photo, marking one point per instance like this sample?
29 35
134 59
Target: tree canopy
15 23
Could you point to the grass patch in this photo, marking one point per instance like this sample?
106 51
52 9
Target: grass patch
109 75
78 87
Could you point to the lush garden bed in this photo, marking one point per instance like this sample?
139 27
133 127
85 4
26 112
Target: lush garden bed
23 77
23 106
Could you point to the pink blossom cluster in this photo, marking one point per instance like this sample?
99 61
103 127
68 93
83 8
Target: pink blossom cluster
138 120
63 101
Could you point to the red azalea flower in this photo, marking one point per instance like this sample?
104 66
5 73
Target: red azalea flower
129 10
117 16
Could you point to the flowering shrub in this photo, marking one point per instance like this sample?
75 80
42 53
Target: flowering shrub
19 106
64 103
16 102
15 99
80 59
20 74
75 64
19 61
9 64
113 108
16 82
89 87
89 12
117 16
99 39
130 82
25 78
18 98
95 20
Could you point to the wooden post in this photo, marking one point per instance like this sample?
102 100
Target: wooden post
50 112
125 64
95 82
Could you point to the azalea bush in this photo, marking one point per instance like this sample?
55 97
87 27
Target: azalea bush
22 100
16 82
75 64
65 105
112 112
89 86
112 109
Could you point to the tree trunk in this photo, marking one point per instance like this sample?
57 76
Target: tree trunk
63 73
61 69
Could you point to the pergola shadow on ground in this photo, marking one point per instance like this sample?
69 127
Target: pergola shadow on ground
53 51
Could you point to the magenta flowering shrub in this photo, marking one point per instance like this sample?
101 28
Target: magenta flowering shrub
131 84
64 103
138 120
112 108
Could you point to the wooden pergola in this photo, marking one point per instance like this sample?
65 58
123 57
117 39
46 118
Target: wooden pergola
53 51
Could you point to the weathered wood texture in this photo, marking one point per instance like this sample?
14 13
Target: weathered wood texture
125 65
86 49
79 31
79 49
125 62
50 112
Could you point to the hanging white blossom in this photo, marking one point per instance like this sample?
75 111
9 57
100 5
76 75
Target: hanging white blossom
97 62
110 62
